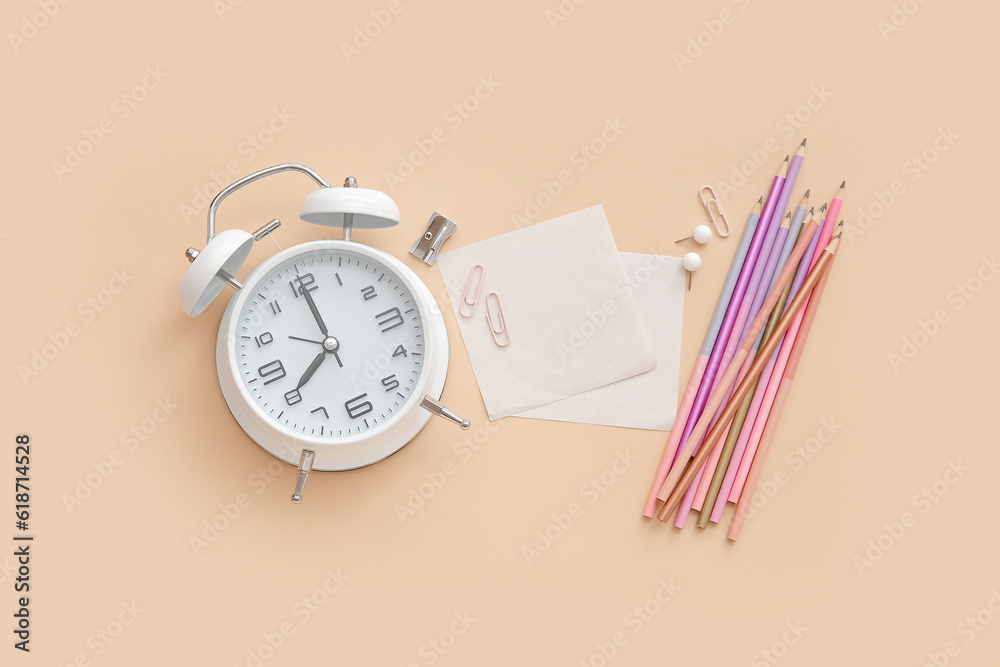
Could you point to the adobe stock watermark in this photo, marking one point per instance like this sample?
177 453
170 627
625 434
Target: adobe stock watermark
772 655
966 632
370 30
702 40
454 117
899 16
913 169
102 639
635 620
233 168
32 24
302 611
432 481
87 310
120 109
581 333
923 501
561 12
230 512
795 460
434 648
785 127
957 298
591 491
579 160
131 440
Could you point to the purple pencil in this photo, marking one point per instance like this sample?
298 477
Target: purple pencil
757 289
684 450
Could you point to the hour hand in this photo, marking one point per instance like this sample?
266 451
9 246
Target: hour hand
315 312
312 369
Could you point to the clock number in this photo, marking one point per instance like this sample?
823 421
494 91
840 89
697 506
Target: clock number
369 293
292 397
305 284
390 382
275 368
275 307
358 409
400 350
392 319
263 339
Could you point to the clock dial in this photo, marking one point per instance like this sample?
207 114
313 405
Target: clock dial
330 343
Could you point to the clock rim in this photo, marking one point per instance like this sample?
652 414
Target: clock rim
341 453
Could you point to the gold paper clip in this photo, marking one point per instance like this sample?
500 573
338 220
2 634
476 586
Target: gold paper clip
718 207
498 332
468 288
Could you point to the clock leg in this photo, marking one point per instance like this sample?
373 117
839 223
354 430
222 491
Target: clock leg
305 466
433 406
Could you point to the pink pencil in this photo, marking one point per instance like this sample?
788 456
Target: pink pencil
779 403
815 248
739 331
702 363
768 402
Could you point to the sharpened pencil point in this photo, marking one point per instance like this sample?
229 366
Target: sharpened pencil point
812 211
807 194
803 143
761 200
842 184
788 215
822 208
786 158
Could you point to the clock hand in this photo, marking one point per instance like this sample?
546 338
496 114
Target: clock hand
337 357
315 312
306 340
312 369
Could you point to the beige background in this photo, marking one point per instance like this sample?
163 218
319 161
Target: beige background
887 97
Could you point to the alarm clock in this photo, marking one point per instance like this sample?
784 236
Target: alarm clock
331 354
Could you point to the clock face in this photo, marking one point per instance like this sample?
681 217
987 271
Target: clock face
329 343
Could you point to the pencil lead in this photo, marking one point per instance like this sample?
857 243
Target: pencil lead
788 215
838 235
842 184
807 194
812 210
822 209
786 158
761 200
803 143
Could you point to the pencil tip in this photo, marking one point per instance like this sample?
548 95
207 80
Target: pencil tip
788 215
803 143
807 194
761 200
838 235
786 158
842 184
812 210
822 208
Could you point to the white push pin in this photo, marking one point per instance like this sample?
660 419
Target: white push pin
702 234
691 263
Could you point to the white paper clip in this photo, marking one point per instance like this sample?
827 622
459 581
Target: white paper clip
714 199
468 287
499 332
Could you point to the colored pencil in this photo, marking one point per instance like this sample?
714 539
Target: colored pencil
702 362
795 353
767 402
727 443
764 230
701 425
729 472
765 275
677 493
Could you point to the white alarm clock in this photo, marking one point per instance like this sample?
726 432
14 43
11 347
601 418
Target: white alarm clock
331 355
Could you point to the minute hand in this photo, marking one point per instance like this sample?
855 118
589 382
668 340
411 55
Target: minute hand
315 312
